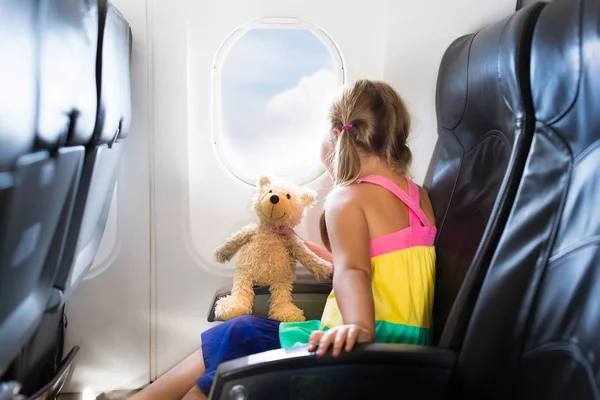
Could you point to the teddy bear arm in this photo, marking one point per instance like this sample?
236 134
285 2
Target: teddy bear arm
234 243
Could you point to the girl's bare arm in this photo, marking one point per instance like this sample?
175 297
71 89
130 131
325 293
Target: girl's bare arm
315 248
319 251
350 245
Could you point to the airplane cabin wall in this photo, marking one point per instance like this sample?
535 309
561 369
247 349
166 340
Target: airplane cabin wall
198 202
146 301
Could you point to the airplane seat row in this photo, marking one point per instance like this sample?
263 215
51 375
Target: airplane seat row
519 284
539 305
41 175
104 151
64 108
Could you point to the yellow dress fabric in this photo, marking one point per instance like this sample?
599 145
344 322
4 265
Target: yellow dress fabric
403 283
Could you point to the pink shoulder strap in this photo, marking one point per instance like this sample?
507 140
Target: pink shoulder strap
411 199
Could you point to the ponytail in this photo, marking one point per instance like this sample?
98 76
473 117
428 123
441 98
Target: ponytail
346 158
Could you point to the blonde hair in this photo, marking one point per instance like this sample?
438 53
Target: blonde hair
372 119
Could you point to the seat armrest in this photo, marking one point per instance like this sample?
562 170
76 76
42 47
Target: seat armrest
369 371
308 296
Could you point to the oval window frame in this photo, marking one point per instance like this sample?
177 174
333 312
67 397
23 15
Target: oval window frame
302 177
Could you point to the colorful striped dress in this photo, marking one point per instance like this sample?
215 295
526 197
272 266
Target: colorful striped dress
403 265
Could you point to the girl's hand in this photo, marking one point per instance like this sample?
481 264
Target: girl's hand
344 336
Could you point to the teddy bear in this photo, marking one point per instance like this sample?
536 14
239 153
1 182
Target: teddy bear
267 258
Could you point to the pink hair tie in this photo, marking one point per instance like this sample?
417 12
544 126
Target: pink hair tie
347 128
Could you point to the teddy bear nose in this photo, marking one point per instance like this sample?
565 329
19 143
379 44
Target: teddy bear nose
274 199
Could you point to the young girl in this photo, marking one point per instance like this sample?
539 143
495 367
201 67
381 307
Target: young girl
378 226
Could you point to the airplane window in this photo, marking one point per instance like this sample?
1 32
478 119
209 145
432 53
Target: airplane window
273 90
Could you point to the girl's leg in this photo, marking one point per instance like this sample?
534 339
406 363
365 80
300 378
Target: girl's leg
195 394
174 384
235 338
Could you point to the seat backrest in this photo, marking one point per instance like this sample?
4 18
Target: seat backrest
19 272
68 42
46 109
103 157
486 124
536 326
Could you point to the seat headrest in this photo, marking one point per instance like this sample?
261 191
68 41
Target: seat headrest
18 83
479 77
452 87
68 43
566 75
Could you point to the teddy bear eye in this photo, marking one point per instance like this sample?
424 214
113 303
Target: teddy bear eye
288 196
270 191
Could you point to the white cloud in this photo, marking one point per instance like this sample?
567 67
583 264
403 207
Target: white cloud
286 134
297 119
308 101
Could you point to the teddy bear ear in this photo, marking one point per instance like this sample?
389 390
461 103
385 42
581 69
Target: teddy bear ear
308 197
263 180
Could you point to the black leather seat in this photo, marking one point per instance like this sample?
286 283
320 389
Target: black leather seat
60 147
46 113
69 39
19 311
104 150
485 122
486 126
111 86
536 327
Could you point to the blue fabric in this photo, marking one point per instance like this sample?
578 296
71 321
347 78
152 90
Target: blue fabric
238 337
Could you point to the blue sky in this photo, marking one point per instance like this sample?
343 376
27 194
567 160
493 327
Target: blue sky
294 53
276 86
